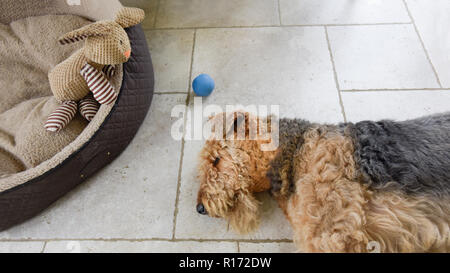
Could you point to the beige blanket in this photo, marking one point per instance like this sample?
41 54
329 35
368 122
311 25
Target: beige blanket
29 48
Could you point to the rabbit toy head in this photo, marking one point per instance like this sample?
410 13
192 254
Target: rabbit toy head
106 42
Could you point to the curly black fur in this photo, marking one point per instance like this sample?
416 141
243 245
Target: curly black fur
291 139
413 154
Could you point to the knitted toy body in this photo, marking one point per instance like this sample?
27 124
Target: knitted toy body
81 81
66 81
69 87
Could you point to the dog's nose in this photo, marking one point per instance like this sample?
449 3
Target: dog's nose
201 209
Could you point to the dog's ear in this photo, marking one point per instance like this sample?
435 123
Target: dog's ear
225 124
240 125
244 217
237 125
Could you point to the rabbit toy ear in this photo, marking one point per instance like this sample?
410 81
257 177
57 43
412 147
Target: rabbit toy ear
127 17
96 29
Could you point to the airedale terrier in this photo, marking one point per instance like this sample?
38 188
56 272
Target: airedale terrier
341 187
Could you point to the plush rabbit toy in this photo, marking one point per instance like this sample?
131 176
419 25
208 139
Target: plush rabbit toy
81 81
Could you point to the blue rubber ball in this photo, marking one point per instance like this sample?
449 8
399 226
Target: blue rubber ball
203 85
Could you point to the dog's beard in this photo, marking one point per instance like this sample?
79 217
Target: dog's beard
244 217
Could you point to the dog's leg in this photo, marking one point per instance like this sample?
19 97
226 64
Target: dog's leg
328 217
327 208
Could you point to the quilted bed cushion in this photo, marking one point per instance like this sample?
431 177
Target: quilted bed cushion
29 49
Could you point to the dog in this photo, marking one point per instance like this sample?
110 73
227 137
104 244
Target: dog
342 187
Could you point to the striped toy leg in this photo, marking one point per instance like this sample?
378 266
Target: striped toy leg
99 85
61 116
88 107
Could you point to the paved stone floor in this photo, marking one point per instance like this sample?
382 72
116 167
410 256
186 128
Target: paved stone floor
323 60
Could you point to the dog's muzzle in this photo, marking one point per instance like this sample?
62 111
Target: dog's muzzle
201 209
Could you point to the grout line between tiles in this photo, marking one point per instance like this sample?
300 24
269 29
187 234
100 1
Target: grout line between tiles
394 90
43 247
156 13
336 80
349 25
174 240
180 169
177 198
171 93
238 247
279 13
422 43
277 26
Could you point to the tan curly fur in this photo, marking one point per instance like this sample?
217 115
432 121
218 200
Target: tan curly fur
330 209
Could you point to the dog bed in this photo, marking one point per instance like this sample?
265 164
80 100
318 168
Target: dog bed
38 167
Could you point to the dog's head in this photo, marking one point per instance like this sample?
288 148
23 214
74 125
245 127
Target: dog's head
233 166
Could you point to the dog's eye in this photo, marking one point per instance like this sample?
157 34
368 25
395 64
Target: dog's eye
216 161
